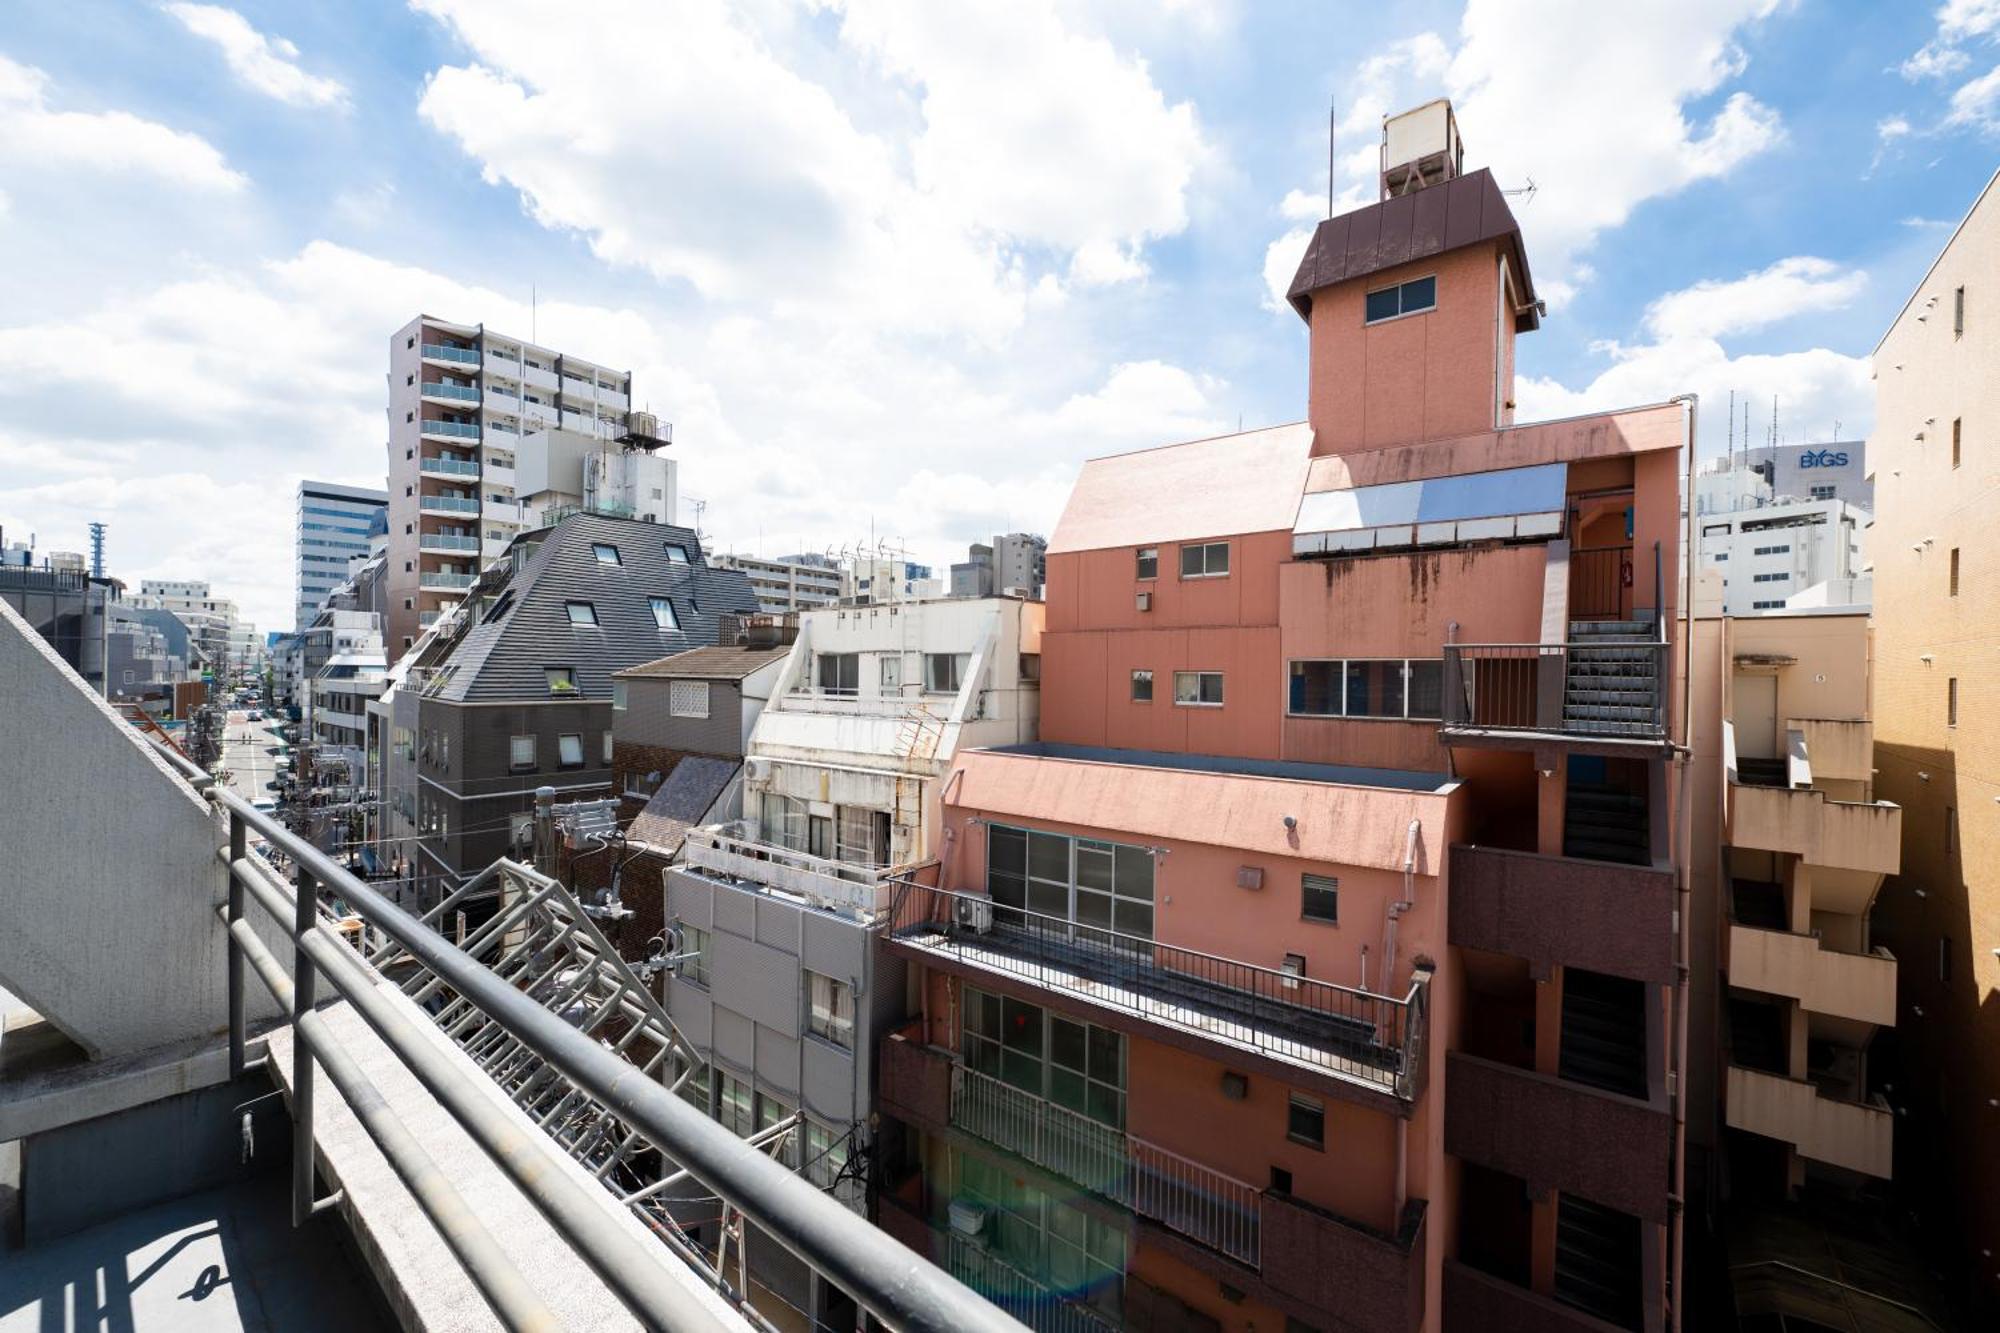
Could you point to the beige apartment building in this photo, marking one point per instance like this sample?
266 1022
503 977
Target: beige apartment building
1937 730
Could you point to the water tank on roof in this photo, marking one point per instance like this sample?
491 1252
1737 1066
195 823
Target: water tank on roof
1420 148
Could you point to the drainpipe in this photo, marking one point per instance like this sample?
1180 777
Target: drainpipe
1684 897
1397 909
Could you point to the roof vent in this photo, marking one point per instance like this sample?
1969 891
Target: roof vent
1420 148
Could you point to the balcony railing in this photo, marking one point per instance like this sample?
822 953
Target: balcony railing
724 849
1824 1126
462 430
1219 1211
450 504
1606 691
1375 1040
447 582
1034 1304
897 1288
449 467
464 393
441 541
468 356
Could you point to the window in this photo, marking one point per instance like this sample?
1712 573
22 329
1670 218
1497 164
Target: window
521 752
607 749
782 822
1957 438
581 613
1205 560
569 750
663 613
695 950
1951 702
1142 687
694 1090
641 786
1720 556
1319 898
1090 883
1034 1232
1773 550
619 698
737 1108
1305 1121
1958 313
1821 492
687 698
892 673
1404 299
862 836
1779 577
562 680
1148 562
1079 1066
944 673
1954 571
1198 689
1368 687
825 1165
606 553
830 1010
676 553
840 673
1767 606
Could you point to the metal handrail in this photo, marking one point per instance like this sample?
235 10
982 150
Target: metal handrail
895 1285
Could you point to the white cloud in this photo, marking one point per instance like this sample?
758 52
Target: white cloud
1713 309
1814 388
33 136
1958 22
267 64
1977 104
1281 265
916 175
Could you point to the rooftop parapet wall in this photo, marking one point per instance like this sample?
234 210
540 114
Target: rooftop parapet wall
108 869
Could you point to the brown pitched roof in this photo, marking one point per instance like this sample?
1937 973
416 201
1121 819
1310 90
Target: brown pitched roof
1465 210
706 664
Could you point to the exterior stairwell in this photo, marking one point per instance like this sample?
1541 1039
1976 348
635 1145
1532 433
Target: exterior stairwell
1605 823
1613 685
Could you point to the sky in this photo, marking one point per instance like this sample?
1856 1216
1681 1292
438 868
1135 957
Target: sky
894 268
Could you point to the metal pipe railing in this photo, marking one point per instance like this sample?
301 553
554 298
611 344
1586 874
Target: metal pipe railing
893 1283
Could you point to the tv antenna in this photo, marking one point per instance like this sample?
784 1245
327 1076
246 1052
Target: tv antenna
1526 193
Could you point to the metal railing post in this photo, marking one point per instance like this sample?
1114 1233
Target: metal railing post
304 986
237 848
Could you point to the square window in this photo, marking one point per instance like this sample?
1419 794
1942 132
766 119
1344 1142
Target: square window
569 749
1314 689
562 680
606 553
1148 562
1199 689
676 553
1319 898
521 752
840 673
944 672
582 613
663 613
1384 304
892 673
1305 1121
687 698
1142 687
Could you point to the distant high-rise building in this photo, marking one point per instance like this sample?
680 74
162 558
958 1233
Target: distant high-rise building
1020 561
461 398
333 527
789 582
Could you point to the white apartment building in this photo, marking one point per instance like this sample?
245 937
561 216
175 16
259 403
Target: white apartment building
1772 554
461 400
788 583
881 579
334 523
211 620
558 471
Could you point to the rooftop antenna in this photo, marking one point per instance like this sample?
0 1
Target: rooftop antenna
1526 192
1774 421
97 544
1332 119
1729 459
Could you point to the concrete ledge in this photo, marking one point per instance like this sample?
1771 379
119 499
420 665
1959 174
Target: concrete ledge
71 1092
420 1278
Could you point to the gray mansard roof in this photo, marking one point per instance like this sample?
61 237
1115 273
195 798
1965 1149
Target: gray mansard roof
525 623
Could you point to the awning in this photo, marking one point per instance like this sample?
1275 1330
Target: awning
1439 511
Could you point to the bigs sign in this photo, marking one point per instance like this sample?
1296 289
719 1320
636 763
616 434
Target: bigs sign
1822 458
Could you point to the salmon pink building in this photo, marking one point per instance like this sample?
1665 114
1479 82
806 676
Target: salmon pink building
1318 967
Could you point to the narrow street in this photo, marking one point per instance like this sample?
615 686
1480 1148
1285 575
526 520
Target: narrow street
249 755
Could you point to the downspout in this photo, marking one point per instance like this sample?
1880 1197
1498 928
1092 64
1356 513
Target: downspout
1397 909
1684 898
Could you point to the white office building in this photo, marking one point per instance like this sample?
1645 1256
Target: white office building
334 523
1774 553
789 582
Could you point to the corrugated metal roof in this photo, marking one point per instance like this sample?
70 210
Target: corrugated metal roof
1466 210
687 794
717 663
508 657
1220 487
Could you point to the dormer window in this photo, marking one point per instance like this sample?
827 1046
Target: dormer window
663 613
1409 298
606 553
582 613
676 553
562 680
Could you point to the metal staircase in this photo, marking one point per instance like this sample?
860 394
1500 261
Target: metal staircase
1603 1032
1605 823
1613 682
1598 1262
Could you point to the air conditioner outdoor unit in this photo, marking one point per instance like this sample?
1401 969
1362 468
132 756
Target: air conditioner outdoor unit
756 769
967 1219
973 914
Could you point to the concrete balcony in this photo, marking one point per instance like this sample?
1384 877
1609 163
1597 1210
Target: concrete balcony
1558 911
1476 1302
1375 1281
913 1080
721 851
450 506
451 395
447 430
1861 987
1846 835
1856 1135
446 542
1555 1133
1842 749
448 467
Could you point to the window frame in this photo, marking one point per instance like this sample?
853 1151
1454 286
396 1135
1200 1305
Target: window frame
1340 689
677 554
1403 311
1146 563
598 549
1096 872
961 664
1093 1079
1206 550
561 679
825 1020
1313 1108
514 763
672 623
1200 679
1311 884
1137 674
699 942
562 745
837 690
676 688
589 610
620 696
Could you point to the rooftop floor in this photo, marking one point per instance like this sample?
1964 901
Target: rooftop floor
1296 771
224 1259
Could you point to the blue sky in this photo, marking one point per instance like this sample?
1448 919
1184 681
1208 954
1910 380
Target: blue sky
896 266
